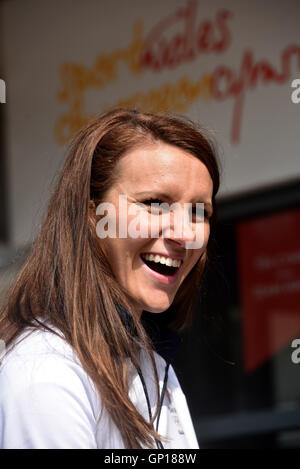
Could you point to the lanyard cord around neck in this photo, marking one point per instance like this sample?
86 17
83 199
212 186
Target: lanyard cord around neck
162 394
158 442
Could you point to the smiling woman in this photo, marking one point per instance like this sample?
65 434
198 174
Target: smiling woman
92 370
155 166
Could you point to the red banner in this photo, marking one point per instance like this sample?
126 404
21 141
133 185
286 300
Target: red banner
269 274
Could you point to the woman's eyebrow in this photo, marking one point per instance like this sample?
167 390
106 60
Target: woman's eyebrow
154 192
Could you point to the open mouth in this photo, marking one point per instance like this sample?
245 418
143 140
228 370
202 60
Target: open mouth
160 264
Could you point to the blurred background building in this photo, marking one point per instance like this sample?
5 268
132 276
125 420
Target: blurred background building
228 65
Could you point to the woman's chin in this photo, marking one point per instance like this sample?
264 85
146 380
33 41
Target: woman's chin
156 310
157 307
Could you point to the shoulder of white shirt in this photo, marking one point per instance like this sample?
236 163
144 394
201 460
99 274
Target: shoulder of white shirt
36 346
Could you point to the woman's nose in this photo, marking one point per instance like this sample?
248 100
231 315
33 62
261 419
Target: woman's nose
178 226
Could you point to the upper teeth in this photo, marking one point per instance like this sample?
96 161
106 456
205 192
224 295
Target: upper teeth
163 260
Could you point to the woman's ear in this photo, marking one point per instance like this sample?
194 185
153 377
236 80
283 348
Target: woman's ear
92 211
92 205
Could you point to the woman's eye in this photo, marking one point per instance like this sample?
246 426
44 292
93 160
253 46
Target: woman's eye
157 208
199 214
152 201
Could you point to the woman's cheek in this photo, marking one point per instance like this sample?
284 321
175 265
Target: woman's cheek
202 232
139 224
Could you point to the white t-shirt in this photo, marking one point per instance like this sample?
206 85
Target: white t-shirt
47 401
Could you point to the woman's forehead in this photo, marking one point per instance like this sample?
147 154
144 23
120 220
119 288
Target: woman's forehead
160 161
166 169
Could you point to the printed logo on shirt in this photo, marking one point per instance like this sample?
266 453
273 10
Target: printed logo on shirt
2 349
174 415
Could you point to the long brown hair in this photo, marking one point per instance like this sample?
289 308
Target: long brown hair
67 279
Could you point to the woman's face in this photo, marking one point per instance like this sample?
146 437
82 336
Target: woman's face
156 173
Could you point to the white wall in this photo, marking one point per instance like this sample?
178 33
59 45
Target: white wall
41 37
